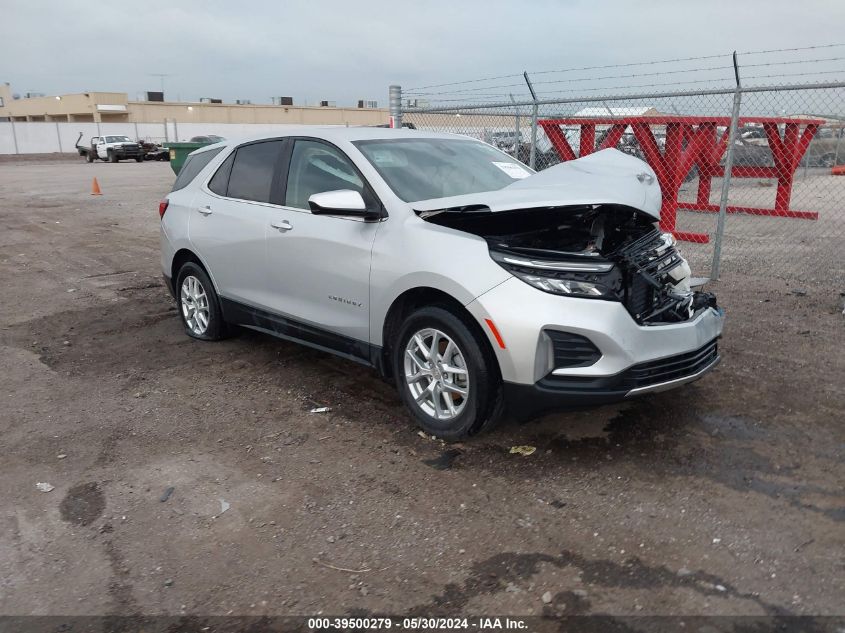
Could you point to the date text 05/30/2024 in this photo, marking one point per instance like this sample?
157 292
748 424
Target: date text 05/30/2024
417 624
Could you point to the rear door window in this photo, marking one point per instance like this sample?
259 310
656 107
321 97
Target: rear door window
194 165
252 171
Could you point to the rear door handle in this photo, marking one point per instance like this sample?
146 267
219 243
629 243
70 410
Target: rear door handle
206 210
282 226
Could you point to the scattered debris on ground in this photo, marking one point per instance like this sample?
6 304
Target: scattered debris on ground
523 450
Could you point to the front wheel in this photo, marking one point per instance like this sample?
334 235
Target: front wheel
199 307
112 157
139 158
446 374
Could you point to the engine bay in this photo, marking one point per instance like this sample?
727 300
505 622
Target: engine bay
576 244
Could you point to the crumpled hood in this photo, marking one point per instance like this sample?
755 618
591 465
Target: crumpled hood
605 177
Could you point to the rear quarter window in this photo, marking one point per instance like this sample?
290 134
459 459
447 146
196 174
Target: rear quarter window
193 166
219 182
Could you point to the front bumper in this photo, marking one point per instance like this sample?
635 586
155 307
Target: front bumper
556 392
128 152
628 351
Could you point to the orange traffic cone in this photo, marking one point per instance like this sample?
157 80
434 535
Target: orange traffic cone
95 188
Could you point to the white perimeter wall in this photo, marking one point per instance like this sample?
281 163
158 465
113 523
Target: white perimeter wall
50 137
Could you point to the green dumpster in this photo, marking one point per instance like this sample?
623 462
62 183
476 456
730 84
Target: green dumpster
179 153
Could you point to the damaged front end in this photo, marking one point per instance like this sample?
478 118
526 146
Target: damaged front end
610 252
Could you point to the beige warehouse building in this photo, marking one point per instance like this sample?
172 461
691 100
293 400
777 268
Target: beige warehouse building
115 107
46 124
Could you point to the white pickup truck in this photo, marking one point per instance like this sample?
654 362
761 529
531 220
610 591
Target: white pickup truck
110 148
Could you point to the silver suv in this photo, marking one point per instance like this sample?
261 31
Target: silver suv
480 287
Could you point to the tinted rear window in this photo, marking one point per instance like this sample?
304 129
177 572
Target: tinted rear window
252 172
194 165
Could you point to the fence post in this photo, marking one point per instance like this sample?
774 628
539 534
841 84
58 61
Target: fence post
14 135
726 178
532 160
517 139
59 137
395 103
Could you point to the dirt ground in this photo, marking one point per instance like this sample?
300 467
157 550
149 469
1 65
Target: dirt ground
725 497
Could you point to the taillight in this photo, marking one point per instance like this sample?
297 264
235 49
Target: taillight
162 207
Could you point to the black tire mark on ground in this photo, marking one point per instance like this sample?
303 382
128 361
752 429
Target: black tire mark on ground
120 589
491 576
653 432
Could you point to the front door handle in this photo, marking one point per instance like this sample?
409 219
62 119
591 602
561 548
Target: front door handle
206 210
282 226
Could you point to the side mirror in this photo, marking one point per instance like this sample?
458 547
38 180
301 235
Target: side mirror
341 202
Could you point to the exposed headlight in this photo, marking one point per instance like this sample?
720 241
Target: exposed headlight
564 286
581 278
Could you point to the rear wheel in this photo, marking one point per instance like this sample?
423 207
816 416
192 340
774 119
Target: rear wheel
139 158
446 375
89 157
199 307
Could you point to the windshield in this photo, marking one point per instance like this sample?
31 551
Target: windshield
424 168
117 139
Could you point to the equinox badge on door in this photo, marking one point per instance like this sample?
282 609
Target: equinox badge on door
357 304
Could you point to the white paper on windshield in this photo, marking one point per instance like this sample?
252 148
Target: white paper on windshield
513 170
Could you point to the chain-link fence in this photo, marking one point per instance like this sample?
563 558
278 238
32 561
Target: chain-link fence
782 209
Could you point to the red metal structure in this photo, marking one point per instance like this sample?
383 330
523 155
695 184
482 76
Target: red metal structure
694 140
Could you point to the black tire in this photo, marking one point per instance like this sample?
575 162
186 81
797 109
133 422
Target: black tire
216 328
484 404
89 157
139 158
112 157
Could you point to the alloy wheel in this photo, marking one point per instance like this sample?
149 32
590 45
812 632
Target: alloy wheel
436 374
195 305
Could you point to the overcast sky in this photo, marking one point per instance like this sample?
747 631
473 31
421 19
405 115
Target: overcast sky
343 50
